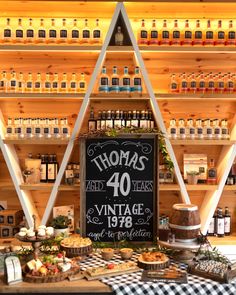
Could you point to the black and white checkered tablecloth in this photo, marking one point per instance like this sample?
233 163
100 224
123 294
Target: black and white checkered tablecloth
128 284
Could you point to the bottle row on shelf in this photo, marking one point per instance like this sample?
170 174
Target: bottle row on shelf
203 82
72 174
231 179
202 129
48 83
185 32
51 31
220 224
115 83
28 128
121 119
165 174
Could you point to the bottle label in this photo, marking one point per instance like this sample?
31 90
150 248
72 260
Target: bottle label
176 34
1 84
137 81
65 130
28 130
47 85
52 33
209 131
220 226
165 35
43 172
224 131
227 224
144 34
212 173
9 130
199 131
69 174
46 130
92 125
96 34
42 34
209 35
104 81
184 85
86 34
75 34
173 86
63 84
217 131
202 84
56 130
20 84
29 84
198 35
82 85
54 84
126 81
221 85
211 228
154 34
115 81
169 175
13 83
211 85
37 130
73 85
191 131
193 84
7 33
98 124
182 130
63 33
51 172
19 33
30 33
18 130
230 85
188 34
172 130
37 85
221 35
231 35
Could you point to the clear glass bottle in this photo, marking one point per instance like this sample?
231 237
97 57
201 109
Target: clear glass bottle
143 34
153 34
137 81
224 129
38 84
29 129
97 36
103 120
220 35
143 123
193 84
3 82
73 83
115 81
172 130
198 34
13 83
38 131
230 83
9 129
211 83
29 83
176 36
181 133
119 37
184 83
85 33
41 37
208 130
47 84
202 83
220 83
30 35
47 132
75 32
82 85
117 121
64 84
19 130
109 121
19 36
188 36
174 87
56 129
125 81
231 35
55 83
104 81
216 129
65 129
21 83
209 35
190 129
199 129
165 34
52 33
134 120
7 32
63 36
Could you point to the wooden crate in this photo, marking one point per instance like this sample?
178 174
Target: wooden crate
11 217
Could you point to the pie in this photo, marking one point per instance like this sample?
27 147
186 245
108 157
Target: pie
153 257
76 241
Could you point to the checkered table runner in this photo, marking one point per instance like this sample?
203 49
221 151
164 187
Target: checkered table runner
131 283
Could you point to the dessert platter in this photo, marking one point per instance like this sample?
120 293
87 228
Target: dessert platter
75 245
153 260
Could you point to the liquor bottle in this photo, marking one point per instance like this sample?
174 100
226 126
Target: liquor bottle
211 83
229 84
29 129
74 38
92 121
202 83
21 83
52 33
137 81
63 84
38 132
176 38
207 130
128 119
198 36
97 36
65 129
7 32
211 173
9 129
3 82
181 133
143 34
47 132
199 129
231 35
43 169
209 35
13 82
193 83
16 127
134 120
77 174
104 81
30 36
41 38
220 35
29 83
172 130
69 175
151 120
119 37
173 84
125 81
19 37
82 84
220 83
109 121
38 84
143 123
123 115
211 228
63 32
227 222
115 81
47 83
103 121
216 129
165 34
56 165
188 36
153 34
190 129
85 32
73 83
224 129
220 226
51 169
55 87
55 128
117 121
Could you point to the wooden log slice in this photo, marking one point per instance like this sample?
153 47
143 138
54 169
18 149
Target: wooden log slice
79 251
153 265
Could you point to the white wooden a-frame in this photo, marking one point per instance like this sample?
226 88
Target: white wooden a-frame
157 114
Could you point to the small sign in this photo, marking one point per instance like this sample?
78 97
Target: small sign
13 272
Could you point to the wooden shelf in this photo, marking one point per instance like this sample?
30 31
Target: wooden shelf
6 186
48 186
183 97
42 96
226 240
36 141
201 142
230 188
197 187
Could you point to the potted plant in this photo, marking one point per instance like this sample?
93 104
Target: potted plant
61 225
192 177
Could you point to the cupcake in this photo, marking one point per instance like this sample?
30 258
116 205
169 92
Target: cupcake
41 233
24 229
107 253
42 227
126 253
31 235
49 231
22 234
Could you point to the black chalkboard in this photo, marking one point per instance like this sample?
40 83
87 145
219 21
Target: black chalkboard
120 189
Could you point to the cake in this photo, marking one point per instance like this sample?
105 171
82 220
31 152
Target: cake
153 260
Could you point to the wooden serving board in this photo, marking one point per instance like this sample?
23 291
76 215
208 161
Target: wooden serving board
117 273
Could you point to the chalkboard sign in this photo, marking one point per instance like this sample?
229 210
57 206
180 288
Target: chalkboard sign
119 189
